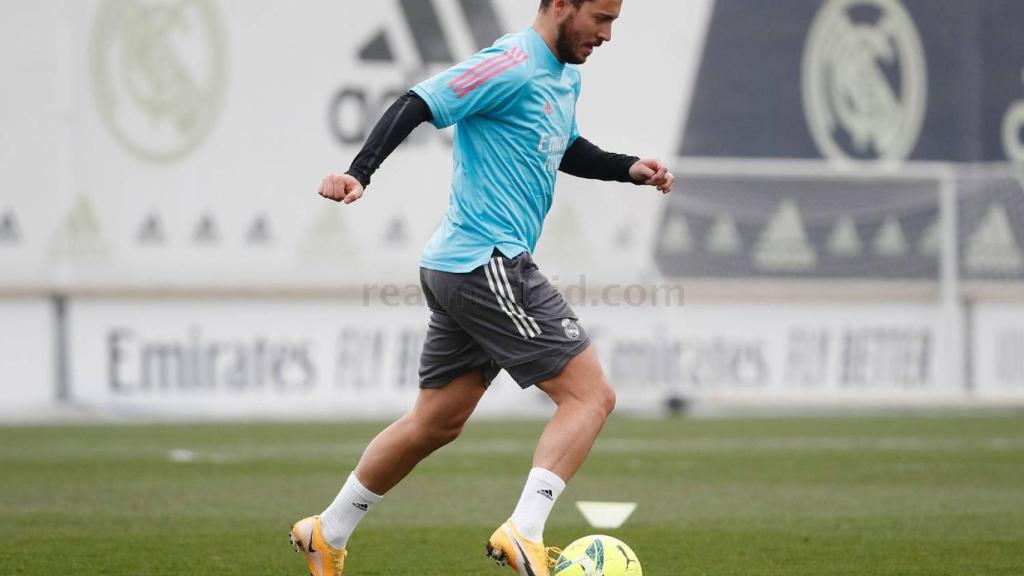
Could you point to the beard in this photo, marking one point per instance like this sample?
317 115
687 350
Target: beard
568 40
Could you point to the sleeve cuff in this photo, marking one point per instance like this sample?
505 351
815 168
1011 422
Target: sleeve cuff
437 110
363 179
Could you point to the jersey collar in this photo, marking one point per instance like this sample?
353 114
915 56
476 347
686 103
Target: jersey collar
544 54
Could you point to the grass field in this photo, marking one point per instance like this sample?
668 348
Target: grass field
906 496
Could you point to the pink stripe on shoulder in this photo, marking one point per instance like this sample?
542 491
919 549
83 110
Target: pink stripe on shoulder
481 78
486 63
485 67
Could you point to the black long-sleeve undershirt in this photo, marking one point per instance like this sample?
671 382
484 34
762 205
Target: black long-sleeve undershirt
583 159
408 112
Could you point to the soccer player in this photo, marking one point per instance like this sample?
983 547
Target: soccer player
514 109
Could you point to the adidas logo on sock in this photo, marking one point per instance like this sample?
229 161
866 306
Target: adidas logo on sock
547 494
361 506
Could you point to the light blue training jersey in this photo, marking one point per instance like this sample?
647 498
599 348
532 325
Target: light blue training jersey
514 110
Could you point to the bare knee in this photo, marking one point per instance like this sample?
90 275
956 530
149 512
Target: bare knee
596 396
439 414
582 385
433 433
607 397
601 397
447 433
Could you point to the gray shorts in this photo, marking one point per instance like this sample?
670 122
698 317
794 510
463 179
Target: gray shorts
504 315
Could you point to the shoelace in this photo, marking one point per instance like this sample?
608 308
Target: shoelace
553 553
338 558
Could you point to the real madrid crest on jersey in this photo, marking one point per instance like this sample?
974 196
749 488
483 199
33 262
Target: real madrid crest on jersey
571 329
864 81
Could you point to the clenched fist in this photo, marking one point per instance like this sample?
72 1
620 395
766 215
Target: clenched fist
341 188
653 173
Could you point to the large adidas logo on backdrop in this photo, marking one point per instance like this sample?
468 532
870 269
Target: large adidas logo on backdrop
431 43
417 37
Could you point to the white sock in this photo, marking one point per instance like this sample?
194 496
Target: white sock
539 495
339 520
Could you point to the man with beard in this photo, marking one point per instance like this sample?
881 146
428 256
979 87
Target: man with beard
514 108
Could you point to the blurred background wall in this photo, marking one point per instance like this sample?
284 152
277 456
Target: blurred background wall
845 229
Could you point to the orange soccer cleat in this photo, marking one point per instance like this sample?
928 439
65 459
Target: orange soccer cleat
306 537
508 546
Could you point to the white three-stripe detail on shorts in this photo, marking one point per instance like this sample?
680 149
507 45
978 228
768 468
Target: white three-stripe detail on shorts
501 300
505 288
522 313
497 278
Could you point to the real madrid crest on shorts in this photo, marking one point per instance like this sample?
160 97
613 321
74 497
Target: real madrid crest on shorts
571 328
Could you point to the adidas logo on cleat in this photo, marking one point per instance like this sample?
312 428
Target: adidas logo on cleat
361 506
547 494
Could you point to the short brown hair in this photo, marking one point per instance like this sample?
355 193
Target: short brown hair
545 4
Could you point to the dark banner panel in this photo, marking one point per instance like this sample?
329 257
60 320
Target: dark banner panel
860 80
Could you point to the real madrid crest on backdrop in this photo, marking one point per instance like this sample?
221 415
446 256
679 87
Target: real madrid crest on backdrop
159 74
864 80
860 81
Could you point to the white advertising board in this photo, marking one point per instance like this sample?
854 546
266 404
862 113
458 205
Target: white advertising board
321 358
788 354
256 359
27 379
998 358
34 136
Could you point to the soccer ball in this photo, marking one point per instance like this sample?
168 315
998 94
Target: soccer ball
597 555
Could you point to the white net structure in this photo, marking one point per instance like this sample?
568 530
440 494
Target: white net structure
802 224
991 215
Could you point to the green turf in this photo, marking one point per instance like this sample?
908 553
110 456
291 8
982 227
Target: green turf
884 496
